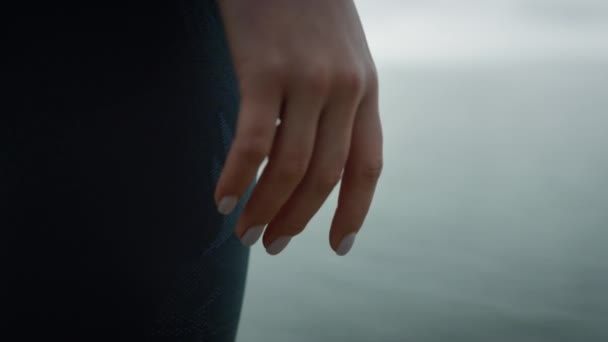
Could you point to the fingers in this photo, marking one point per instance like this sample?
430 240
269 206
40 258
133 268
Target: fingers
259 110
360 177
327 133
288 161
328 160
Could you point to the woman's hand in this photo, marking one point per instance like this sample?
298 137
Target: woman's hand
307 63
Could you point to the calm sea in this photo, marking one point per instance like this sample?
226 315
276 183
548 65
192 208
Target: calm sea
490 223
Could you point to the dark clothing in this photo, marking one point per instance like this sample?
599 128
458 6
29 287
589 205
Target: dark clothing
117 125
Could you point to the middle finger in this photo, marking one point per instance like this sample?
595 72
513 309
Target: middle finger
287 164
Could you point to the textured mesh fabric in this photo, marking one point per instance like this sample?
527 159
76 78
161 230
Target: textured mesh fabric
121 114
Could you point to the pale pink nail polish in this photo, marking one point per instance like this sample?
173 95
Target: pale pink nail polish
278 245
227 205
346 244
252 235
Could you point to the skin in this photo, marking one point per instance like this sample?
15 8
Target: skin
307 63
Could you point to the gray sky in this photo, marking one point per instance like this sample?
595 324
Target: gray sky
415 31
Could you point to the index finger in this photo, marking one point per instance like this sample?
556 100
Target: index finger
256 124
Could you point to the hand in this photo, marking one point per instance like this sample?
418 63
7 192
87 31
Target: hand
307 63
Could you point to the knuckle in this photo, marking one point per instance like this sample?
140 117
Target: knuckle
253 131
293 168
370 171
253 148
272 67
314 79
350 80
371 79
327 179
252 152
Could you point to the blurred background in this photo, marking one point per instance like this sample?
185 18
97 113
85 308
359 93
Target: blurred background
490 222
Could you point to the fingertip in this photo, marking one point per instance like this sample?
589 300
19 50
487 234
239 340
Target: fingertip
227 204
278 245
252 235
346 244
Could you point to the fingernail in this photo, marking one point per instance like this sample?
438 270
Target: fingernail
346 244
278 245
252 235
226 205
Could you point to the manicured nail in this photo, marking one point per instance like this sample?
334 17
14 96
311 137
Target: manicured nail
346 244
278 245
226 205
252 235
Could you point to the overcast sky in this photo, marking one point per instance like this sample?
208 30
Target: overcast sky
413 31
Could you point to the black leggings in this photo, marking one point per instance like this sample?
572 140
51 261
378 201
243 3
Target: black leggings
119 124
